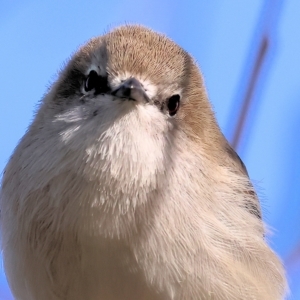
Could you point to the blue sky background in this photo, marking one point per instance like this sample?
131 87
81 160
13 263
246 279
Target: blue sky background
37 37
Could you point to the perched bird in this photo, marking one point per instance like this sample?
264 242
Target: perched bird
124 187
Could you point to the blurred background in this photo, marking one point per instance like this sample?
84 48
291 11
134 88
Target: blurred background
249 53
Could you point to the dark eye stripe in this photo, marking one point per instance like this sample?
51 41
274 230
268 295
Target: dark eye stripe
97 83
91 81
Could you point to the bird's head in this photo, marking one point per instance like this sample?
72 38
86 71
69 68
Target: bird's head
128 96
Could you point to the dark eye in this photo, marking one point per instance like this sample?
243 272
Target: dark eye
91 81
96 82
173 104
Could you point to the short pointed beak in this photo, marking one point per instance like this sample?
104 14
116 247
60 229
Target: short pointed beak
131 89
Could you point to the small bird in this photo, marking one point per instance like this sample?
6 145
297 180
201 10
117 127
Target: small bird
124 186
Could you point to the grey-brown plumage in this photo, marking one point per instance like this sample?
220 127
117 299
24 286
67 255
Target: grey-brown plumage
125 188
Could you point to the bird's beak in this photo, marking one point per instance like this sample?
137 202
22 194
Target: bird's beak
131 89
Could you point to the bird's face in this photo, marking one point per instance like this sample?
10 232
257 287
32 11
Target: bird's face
129 69
120 98
122 103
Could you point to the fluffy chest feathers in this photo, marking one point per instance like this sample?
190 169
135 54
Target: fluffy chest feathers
129 203
110 163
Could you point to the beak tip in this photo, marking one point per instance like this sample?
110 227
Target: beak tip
131 89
